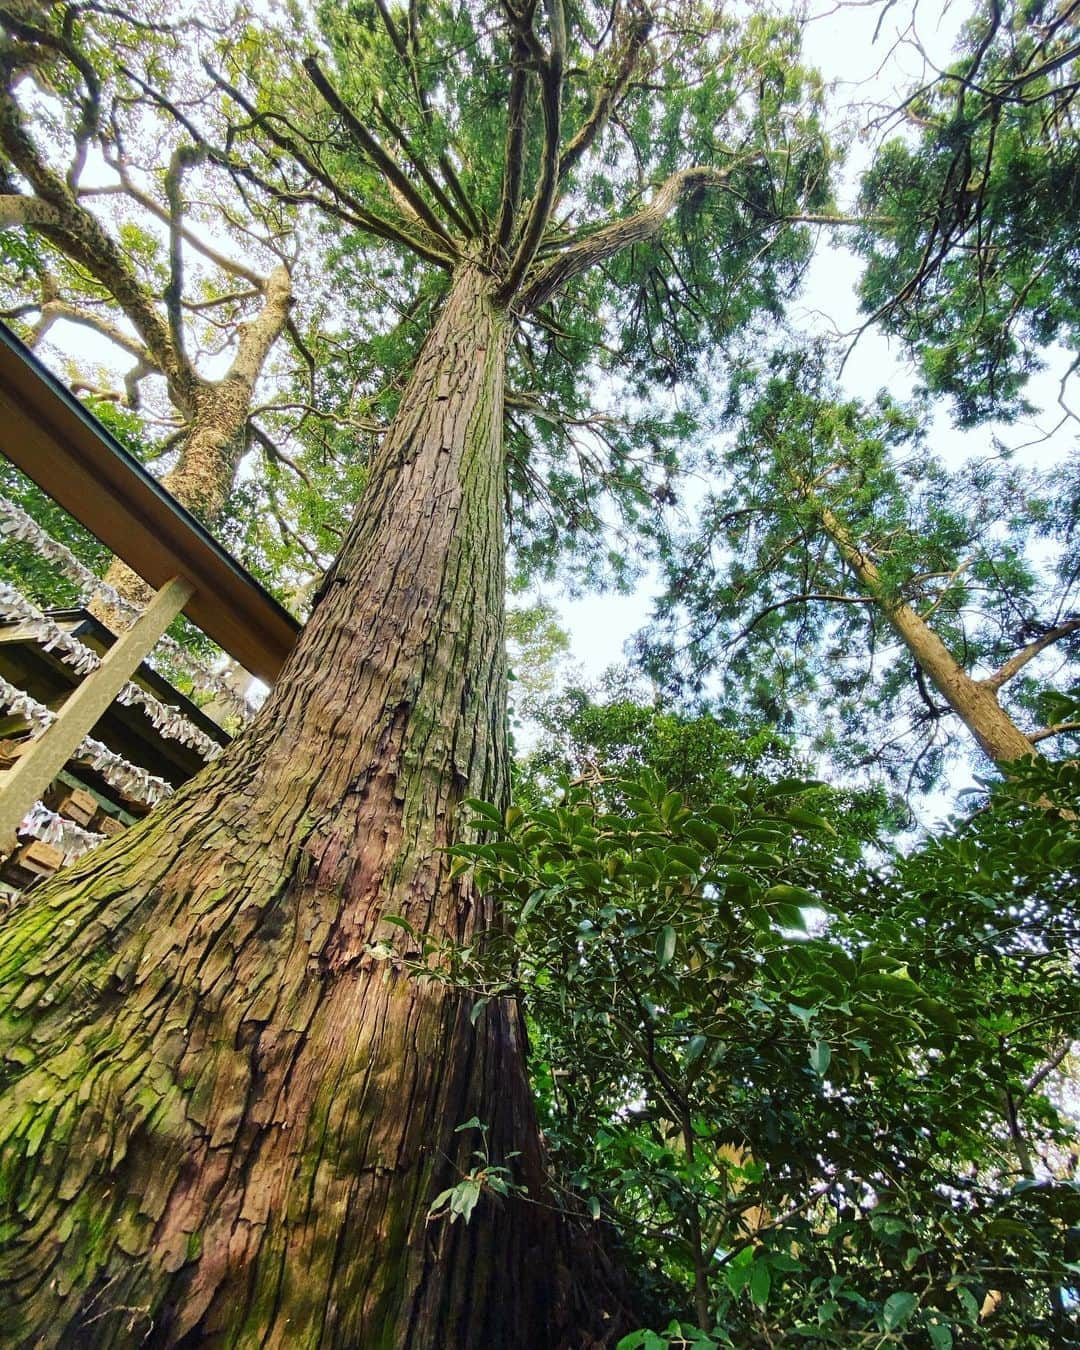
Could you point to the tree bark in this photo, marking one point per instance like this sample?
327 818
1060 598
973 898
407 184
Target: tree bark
223 1119
973 701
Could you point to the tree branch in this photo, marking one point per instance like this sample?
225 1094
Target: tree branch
513 159
19 209
384 162
148 203
611 238
276 453
258 336
1016 663
417 161
55 309
1040 1075
182 156
1056 729
341 203
450 177
608 95
805 598
80 235
551 84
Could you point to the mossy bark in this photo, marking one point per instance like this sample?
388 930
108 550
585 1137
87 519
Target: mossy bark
223 1121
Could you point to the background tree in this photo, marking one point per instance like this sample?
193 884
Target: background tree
131 227
842 580
265 1110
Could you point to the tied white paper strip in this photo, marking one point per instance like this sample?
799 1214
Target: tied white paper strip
132 781
71 839
16 524
47 633
22 705
166 718
170 721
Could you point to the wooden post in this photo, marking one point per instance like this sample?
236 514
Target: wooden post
36 768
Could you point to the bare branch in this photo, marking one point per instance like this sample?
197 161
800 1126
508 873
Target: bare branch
1056 729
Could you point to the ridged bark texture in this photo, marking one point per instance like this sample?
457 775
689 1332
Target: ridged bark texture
223 1121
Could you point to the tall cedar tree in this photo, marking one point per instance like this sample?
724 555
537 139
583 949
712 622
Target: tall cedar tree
224 1122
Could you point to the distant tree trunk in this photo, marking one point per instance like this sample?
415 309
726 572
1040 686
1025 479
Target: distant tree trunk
217 438
973 701
223 1119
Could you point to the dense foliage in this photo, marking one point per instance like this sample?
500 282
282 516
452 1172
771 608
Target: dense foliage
827 515
971 258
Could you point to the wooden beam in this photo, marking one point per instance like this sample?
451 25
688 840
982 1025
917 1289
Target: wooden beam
47 433
45 757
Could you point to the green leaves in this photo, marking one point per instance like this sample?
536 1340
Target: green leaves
979 210
898 1309
820 1057
760 1283
700 1053
857 576
458 1202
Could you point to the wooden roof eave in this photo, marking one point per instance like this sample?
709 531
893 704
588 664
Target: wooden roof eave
53 439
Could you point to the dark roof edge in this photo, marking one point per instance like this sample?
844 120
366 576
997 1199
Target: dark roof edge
125 465
60 390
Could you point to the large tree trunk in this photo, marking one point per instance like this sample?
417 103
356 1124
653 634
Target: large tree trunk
223 1119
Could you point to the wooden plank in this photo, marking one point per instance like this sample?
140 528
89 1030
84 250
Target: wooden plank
24 784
